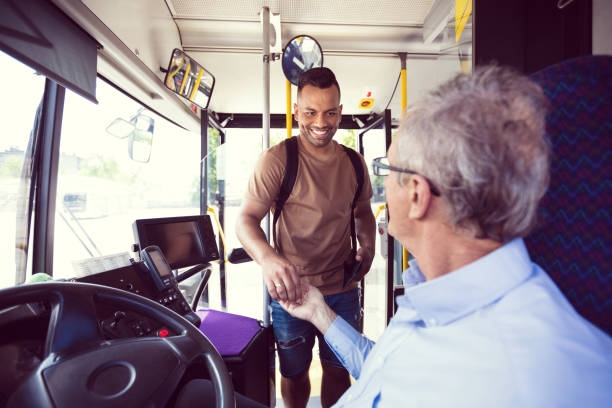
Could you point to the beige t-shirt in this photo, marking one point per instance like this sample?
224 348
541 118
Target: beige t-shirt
313 231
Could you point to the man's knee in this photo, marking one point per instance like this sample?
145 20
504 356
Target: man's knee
298 378
332 371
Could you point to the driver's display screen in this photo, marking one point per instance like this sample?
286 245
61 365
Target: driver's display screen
179 241
185 241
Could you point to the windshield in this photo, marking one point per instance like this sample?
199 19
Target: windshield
102 190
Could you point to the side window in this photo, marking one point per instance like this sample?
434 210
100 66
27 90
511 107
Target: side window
20 95
118 162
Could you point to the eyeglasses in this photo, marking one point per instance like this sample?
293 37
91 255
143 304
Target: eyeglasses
381 167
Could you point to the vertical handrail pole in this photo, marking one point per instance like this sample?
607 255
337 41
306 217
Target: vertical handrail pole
265 19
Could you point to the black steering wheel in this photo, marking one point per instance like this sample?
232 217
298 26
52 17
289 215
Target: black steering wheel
80 367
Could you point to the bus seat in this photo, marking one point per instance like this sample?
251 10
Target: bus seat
573 241
230 333
247 347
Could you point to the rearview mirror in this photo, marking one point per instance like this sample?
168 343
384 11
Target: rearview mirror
120 128
189 79
140 141
139 132
301 54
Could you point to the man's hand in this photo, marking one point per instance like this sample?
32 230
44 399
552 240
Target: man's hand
281 278
311 308
365 227
367 256
279 275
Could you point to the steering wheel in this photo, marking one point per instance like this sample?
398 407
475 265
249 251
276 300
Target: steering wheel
80 367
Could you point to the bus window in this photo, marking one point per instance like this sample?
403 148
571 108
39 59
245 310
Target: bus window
22 91
102 188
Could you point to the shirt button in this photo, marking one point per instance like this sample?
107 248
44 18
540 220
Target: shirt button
432 322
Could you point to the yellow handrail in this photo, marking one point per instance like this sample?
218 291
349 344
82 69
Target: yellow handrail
380 208
171 74
186 75
288 115
196 85
221 234
404 102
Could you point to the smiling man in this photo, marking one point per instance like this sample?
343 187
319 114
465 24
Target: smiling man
313 235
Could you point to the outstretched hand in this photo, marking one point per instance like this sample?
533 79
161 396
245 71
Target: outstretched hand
311 307
305 307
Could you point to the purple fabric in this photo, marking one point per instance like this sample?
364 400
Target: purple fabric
229 333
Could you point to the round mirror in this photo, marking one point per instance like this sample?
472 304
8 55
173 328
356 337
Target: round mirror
301 53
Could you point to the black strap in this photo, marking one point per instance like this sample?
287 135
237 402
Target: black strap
356 162
291 168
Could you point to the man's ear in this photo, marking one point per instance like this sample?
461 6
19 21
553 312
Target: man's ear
419 195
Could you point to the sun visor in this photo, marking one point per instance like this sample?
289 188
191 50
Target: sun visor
41 36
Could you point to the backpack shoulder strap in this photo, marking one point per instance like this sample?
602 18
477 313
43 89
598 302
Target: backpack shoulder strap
291 167
356 162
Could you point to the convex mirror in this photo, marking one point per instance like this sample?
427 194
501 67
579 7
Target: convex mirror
189 79
301 54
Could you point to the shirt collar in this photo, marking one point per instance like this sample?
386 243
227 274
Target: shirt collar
473 286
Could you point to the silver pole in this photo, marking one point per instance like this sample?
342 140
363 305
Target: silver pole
265 14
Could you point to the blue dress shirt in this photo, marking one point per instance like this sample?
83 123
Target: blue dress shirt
494 333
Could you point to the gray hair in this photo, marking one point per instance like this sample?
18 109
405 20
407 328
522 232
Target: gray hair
480 139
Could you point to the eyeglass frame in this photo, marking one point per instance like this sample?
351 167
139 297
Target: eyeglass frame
377 164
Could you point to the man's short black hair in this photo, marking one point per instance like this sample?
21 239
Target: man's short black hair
320 77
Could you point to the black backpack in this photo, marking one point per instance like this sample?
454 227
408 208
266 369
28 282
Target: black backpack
291 169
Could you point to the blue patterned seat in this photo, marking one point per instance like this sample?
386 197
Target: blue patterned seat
573 241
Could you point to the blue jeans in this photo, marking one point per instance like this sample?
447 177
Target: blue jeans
295 337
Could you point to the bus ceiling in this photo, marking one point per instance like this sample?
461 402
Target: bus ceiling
361 42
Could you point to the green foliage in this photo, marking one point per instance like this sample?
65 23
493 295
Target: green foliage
99 167
348 139
214 141
11 167
377 181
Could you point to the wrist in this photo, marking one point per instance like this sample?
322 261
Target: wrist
324 318
267 255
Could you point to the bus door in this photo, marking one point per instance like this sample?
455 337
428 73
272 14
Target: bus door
374 138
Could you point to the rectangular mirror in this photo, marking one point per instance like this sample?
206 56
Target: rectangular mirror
189 79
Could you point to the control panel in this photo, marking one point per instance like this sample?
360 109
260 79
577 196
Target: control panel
143 280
